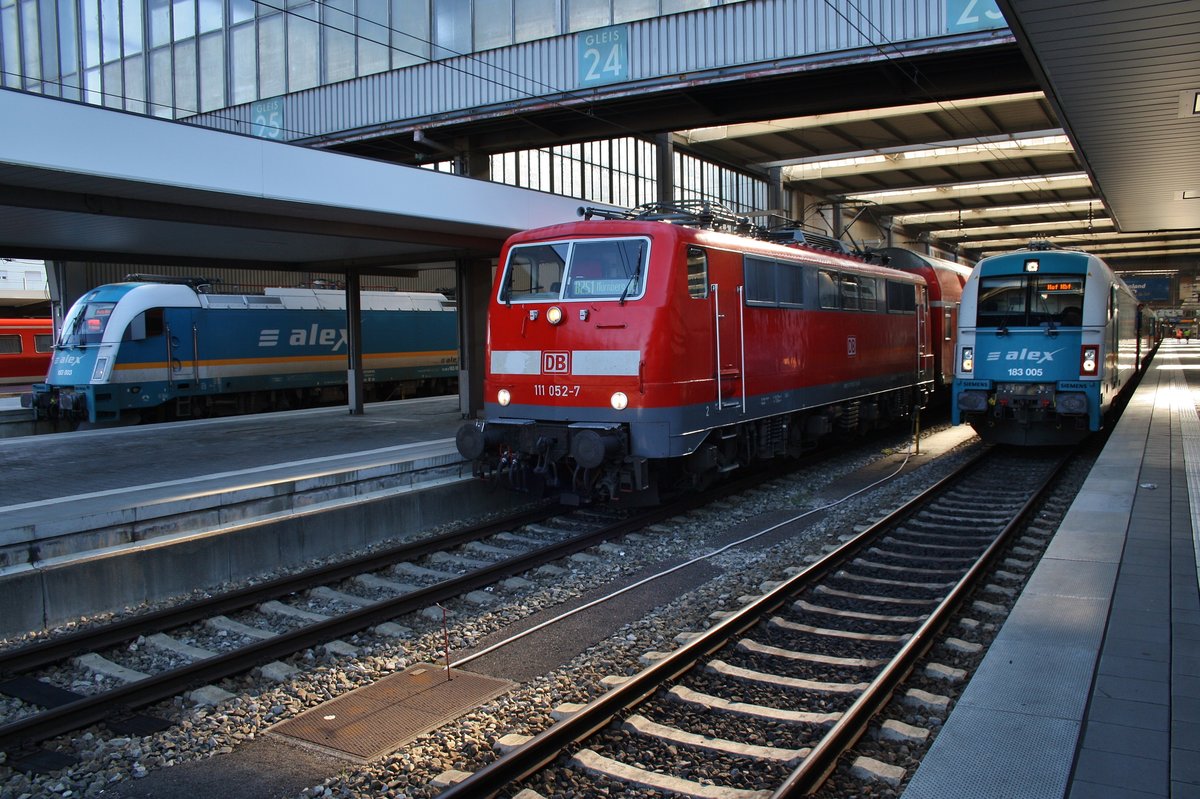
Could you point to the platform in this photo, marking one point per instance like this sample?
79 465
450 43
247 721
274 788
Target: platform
95 520
1092 686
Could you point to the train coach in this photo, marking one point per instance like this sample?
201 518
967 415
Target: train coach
147 351
627 357
1047 340
25 346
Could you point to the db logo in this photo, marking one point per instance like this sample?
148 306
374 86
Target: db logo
556 363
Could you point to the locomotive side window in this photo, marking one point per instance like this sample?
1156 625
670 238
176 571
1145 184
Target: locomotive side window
773 283
10 345
147 324
901 297
760 281
697 273
868 291
827 288
43 342
791 284
849 291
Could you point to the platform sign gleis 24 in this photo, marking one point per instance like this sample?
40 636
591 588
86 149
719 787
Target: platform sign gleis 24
604 55
973 15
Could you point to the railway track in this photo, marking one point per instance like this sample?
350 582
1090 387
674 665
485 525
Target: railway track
225 635
765 702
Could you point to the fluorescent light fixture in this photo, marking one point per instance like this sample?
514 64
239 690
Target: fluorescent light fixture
981 188
930 217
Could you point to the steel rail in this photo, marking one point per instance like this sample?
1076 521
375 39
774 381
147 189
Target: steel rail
535 753
24 733
43 653
812 772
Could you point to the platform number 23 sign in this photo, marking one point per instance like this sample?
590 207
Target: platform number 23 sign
604 55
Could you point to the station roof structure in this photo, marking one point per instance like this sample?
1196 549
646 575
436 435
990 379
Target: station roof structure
1077 123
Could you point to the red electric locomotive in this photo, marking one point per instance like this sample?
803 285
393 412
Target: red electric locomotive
635 353
25 347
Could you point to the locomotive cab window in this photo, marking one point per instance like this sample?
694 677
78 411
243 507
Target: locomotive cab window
87 324
1030 300
612 269
10 345
43 342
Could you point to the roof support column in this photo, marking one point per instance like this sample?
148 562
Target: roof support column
664 148
474 282
354 374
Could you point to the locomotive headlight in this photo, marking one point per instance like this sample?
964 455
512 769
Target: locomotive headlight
619 400
503 397
968 359
1088 354
554 315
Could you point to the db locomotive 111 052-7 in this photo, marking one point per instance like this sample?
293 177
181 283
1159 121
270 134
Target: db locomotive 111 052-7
631 354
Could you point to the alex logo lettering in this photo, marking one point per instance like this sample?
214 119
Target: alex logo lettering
1033 356
334 338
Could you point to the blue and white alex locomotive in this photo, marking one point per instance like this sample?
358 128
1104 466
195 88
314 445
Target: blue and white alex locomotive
1047 340
156 350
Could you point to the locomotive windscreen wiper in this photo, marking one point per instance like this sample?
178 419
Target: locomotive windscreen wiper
637 274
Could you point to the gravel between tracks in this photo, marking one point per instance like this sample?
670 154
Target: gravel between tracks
467 743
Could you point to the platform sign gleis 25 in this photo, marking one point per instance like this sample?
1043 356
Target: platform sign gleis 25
973 15
267 118
604 55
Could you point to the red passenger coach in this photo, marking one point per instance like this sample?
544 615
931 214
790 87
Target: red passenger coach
653 350
25 346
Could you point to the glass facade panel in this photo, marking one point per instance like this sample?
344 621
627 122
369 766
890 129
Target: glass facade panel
160 21
241 10
92 89
372 36
114 89
493 23
676 6
131 24
410 32
535 19
626 10
272 72
184 14
212 71
243 66
135 84
338 36
186 84
212 15
304 69
29 38
48 41
451 27
161 83
11 46
584 14
110 23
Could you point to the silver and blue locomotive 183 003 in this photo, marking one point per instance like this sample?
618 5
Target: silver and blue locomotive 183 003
152 350
1047 340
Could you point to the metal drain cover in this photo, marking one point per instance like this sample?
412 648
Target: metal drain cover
381 717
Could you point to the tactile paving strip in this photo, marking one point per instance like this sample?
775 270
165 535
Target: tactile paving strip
379 718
